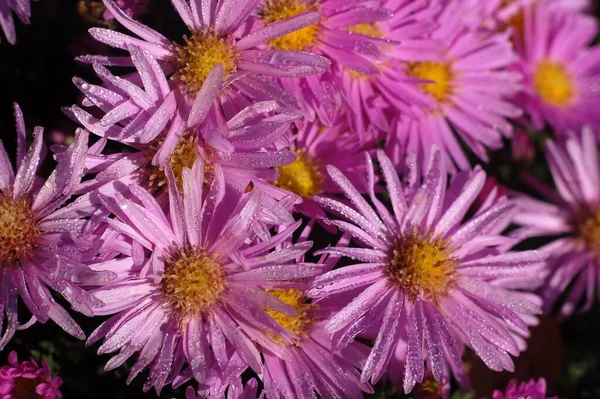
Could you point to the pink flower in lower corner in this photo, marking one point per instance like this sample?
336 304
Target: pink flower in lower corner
530 390
27 380
191 290
571 215
21 8
427 280
41 251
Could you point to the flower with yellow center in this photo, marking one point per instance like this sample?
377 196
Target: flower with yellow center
303 177
587 226
553 84
280 10
184 155
440 74
298 325
19 229
199 55
192 281
421 266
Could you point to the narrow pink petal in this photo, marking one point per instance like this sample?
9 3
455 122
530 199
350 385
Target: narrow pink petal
278 29
28 169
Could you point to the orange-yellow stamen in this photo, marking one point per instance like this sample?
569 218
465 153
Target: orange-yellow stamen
280 10
19 229
303 177
367 29
184 156
553 84
193 281
422 266
440 74
298 325
199 55
587 226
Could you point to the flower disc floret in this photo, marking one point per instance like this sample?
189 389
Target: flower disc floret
199 55
553 84
440 73
421 266
275 11
183 156
192 281
303 177
587 227
298 325
19 229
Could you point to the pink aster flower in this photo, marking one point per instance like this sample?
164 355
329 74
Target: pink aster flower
314 365
316 146
190 291
28 380
218 36
530 390
237 134
464 91
370 98
561 71
21 8
334 35
428 281
572 216
40 251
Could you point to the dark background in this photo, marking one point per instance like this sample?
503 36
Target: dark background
37 74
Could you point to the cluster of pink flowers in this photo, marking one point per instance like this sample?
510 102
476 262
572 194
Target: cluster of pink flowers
357 124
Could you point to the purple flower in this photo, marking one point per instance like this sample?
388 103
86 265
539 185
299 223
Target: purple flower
312 364
22 9
561 78
191 286
315 146
217 37
465 90
238 134
529 390
39 250
370 97
346 33
428 280
28 380
572 215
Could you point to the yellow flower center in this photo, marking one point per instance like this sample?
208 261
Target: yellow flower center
19 229
303 177
553 84
587 226
192 281
280 10
368 29
421 266
199 55
440 74
184 156
298 325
